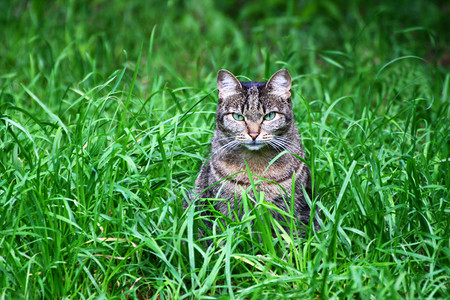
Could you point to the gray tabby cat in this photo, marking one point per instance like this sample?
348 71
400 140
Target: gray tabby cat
254 123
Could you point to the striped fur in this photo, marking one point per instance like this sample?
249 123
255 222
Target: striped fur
233 145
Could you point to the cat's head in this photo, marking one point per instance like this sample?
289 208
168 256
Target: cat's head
255 114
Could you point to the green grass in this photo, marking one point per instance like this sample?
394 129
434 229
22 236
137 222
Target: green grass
107 110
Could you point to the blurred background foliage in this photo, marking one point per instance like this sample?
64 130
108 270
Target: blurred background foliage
195 38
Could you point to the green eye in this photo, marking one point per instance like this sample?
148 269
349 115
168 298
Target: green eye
238 117
270 116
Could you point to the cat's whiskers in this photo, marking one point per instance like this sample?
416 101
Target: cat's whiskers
287 144
284 144
275 146
233 146
224 147
228 146
269 139
280 145
282 138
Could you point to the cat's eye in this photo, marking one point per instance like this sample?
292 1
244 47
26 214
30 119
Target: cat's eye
238 117
270 116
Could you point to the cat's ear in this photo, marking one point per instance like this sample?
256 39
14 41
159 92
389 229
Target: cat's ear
280 84
227 84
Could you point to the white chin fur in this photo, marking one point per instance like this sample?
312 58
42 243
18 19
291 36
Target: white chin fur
254 146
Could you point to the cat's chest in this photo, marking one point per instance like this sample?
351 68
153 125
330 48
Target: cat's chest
243 182
238 171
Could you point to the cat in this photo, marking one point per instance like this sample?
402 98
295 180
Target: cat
254 123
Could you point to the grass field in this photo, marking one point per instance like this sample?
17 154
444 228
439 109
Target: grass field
106 114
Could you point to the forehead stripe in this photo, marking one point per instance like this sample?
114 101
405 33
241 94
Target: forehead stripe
253 98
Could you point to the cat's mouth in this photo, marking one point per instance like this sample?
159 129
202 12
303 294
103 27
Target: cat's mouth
254 145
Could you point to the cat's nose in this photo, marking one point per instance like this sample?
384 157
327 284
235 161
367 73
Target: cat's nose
253 134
